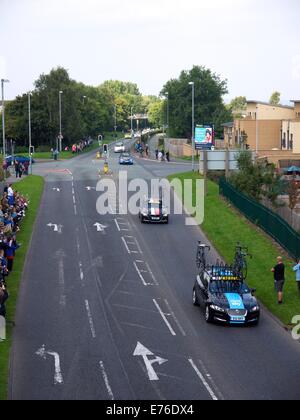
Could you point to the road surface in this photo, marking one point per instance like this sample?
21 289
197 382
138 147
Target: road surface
105 308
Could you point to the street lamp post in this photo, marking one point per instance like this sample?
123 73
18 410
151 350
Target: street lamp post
132 121
257 133
193 125
115 121
3 118
29 130
60 118
168 114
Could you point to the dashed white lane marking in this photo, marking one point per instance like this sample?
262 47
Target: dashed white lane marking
74 200
118 226
81 271
140 274
175 318
203 380
106 381
61 277
164 318
126 246
91 322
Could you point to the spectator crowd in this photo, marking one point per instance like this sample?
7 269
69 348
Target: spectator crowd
13 207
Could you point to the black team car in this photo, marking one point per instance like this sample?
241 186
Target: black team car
224 296
153 211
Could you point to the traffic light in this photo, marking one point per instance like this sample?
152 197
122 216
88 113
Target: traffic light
105 149
31 150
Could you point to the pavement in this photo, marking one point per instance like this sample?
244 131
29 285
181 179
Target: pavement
105 307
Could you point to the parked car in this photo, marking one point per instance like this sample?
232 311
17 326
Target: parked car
21 159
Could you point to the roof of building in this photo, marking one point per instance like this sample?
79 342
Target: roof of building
268 104
228 124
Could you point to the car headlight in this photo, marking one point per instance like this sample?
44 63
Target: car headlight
217 308
254 309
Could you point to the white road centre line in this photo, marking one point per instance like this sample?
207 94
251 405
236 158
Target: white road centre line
164 318
61 277
106 381
75 209
175 318
91 322
140 274
203 380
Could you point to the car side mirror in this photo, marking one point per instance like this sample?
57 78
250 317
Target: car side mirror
253 291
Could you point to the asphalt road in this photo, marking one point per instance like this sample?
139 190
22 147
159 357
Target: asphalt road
109 315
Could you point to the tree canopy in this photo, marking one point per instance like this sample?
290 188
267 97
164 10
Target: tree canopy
209 104
275 98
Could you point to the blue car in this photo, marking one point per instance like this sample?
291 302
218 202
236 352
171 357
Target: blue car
21 159
126 159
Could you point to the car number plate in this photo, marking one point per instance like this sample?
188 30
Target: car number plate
238 319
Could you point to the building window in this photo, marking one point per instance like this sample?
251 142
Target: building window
292 142
284 141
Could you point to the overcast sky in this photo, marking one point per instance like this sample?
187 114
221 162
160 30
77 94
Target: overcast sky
255 44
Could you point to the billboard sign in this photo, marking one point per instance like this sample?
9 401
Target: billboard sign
204 137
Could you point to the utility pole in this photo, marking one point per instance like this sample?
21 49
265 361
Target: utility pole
193 125
29 130
3 118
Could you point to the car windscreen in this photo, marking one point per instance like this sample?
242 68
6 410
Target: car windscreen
125 155
228 287
120 144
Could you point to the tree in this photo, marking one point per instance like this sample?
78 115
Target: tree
209 90
256 179
293 193
275 98
156 113
238 106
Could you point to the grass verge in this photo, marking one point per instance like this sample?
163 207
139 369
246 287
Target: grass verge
224 227
32 187
108 138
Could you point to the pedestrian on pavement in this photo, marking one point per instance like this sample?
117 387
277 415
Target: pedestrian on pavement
17 168
168 156
160 156
3 299
163 154
147 150
10 252
11 195
156 154
26 168
279 277
296 269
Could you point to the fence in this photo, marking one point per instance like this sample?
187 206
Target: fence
263 217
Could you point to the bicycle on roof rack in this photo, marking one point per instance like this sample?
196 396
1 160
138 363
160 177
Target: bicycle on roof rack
240 263
201 256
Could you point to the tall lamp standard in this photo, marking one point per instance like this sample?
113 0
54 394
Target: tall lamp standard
3 118
29 130
60 117
131 121
116 121
257 132
168 115
193 124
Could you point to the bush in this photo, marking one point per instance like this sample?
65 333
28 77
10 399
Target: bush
215 176
43 148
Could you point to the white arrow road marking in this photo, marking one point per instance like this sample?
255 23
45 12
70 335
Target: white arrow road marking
90 188
145 353
56 189
57 228
100 228
58 378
